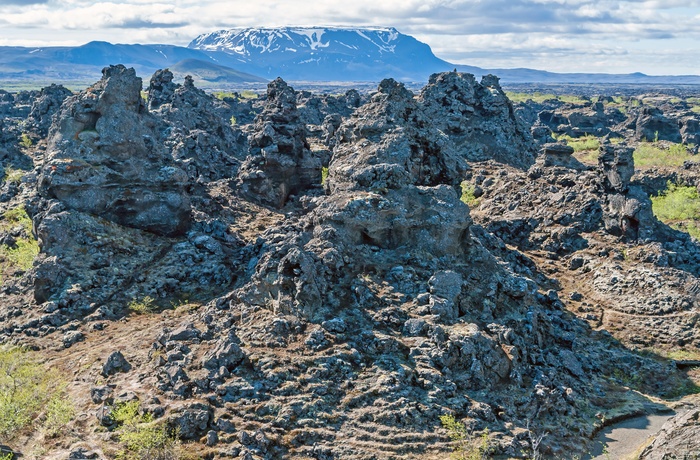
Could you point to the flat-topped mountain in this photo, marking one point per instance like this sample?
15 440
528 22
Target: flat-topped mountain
326 53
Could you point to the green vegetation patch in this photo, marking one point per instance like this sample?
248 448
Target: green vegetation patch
21 255
13 175
679 207
540 97
466 445
586 148
142 437
650 154
468 197
27 390
143 306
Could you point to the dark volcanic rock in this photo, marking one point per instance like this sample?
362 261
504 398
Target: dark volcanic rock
652 125
477 118
103 158
199 132
45 106
280 163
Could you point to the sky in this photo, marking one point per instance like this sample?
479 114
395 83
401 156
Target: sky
654 37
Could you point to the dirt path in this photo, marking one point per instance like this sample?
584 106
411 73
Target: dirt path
625 438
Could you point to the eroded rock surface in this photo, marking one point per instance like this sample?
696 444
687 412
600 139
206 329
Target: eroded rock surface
103 158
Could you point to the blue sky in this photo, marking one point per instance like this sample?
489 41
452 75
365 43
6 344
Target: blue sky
654 37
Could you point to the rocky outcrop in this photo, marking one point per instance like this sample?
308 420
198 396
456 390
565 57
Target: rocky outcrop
199 134
45 106
652 124
280 163
348 324
104 158
477 118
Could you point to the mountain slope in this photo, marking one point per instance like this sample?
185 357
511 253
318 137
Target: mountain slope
211 72
315 53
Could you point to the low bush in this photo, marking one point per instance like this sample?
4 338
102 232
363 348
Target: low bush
141 437
20 255
143 306
468 197
467 447
27 390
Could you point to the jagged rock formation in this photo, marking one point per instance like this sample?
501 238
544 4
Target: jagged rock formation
199 134
478 118
103 158
280 163
45 106
344 324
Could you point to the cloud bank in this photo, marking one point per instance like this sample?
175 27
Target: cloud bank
654 37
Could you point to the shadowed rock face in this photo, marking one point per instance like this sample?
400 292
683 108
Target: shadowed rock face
103 158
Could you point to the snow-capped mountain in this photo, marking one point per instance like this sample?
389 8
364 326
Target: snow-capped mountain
323 53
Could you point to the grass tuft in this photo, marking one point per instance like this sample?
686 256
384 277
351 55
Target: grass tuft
468 196
143 306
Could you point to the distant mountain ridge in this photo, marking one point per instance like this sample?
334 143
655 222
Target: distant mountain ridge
325 53
254 55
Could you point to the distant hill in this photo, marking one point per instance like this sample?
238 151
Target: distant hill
86 62
210 72
324 53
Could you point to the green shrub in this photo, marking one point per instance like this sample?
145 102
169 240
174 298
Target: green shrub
13 175
651 154
59 412
324 175
26 389
468 196
467 447
25 141
141 437
20 256
143 306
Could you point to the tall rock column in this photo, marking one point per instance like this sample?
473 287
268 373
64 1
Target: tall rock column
280 162
103 159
